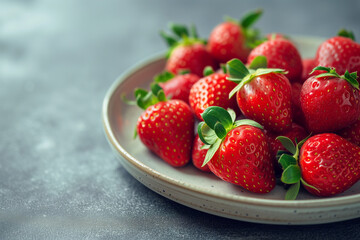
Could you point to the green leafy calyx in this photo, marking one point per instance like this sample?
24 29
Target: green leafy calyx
164 77
217 123
351 78
288 160
145 99
208 70
240 74
180 35
345 33
252 35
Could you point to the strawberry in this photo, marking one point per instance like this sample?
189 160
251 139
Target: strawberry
211 90
263 95
232 39
177 86
340 52
280 53
238 151
329 101
327 164
308 66
187 51
351 133
198 155
298 115
166 127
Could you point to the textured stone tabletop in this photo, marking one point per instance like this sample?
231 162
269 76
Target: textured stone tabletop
59 179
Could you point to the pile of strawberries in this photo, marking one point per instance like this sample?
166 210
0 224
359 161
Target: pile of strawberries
250 110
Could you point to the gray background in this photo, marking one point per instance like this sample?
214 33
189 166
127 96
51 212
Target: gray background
58 176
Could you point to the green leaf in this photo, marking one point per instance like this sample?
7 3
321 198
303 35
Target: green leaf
214 114
280 153
286 160
308 185
263 71
158 92
321 68
249 122
256 42
327 75
220 130
205 146
208 70
244 81
223 67
179 29
291 174
170 40
232 114
329 72
193 31
127 101
144 99
206 134
211 151
351 78
293 191
345 33
164 77
236 69
354 75
258 62
287 143
250 18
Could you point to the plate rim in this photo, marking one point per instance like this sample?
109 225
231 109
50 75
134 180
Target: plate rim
236 199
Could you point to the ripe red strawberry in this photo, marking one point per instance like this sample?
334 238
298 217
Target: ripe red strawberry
351 133
308 66
263 95
198 155
330 102
326 164
298 115
187 51
329 163
280 53
177 86
341 53
212 90
238 150
232 39
166 127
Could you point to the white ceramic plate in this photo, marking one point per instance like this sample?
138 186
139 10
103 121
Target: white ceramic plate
204 191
